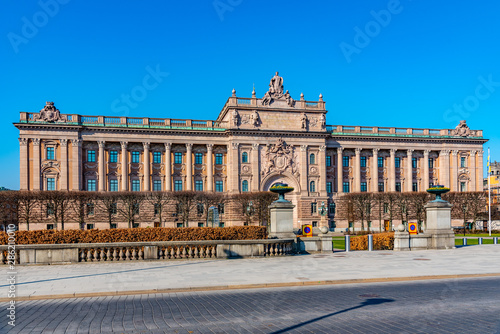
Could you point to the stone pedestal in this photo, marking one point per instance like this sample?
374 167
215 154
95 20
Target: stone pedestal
402 241
281 219
439 225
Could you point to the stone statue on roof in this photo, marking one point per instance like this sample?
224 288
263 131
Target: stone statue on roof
275 92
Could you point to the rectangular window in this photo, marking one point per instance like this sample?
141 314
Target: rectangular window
136 185
198 185
90 226
381 187
157 157
331 208
50 209
398 186
315 224
179 224
218 158
328 161
346 187
414 162
386 208
431 163
113 185
113 225
200 209
201 224
314 208
220 208
198 158
178 158
114 208
113 156
463 162
51 183
329 188
363 162
397 162
157 209
178 185
50 153
414 186
135 209
463 186
345 161
136 157
363 186
90 156
90 209
50 226
219 186
381 161
91 185
156 185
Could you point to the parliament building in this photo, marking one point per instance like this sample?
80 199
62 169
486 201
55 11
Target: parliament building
252 144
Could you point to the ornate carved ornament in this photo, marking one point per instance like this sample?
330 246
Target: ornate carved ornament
49 113
90 165
279 158
275 92
463 130
245 169
49 164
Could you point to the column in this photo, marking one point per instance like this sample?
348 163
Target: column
210 167
147 167
480 171
340 170
76 155
409 171
322 171
303 169
124 166
255 168
357 170
444 168
426 170
472 169
233 167
64 164
168 167
392 170
101 166
36 163
454 171
189 166
375 170
23 164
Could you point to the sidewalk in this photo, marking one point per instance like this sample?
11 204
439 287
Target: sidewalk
89 279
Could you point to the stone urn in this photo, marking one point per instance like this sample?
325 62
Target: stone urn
438 191
323 229
281 189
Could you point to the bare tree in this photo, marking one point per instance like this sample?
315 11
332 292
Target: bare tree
130 205
390 206
186 202
108 203
160 201
417 202
244 204
362 205
57 204
210 199
403 207
27 201
8 207
476 205
378 198
261 202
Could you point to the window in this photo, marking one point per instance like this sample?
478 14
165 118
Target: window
199 209
463 162
244 157
50 226
312 159
386 207
201 224
328 161
113 185
329 188
178 185
136 157
363 186
221 224
414 162
90 226
113 156
50 153
244 186
368 208
179 224
315 224
50 209
157 209
431 163
135 209
220 208
345 161
90 209
397 162
414 187
51 183
156 185
156 157
113 225
363 162
178 158
314 208
136 185
219 186
198 185
312 186
91 185
331 208
381 187
218 158
198 158
114 208
398 186
345 187
381 161
463 186
90 156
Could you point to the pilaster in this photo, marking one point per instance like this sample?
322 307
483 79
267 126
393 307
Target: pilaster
375 170
473 171
255 167
303 169
189 166
23 164
392 170
454 171
340 170
409 170
147 167
76 157
168 167
322 171
210 167
357 170
124 145
64 164
101 166
426 170
36 163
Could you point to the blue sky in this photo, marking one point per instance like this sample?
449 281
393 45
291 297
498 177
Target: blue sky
383 63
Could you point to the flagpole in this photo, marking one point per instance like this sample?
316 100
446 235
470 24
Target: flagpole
489 194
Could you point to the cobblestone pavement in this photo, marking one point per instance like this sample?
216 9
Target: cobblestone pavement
438 306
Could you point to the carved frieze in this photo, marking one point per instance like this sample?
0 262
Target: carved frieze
279 158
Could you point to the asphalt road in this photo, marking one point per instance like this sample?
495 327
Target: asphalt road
438 306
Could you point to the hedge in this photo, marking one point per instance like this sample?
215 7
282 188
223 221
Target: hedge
137 234
381 241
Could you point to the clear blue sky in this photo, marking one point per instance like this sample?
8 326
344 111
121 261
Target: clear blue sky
407 70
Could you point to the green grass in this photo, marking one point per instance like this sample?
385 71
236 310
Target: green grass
472 241
338 242
458 235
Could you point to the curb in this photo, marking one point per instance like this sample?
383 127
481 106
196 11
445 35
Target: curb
247 286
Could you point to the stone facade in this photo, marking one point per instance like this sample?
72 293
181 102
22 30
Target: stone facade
253 143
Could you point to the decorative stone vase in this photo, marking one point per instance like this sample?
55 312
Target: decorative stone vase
323 229
438 191
281 189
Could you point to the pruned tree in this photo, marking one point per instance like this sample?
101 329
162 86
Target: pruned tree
262 200
27 201
79 199
417 202
130 205
403 208
186 202
378 198
245 206
57 204
160 200
108 203
390 206
362 206
8 207
477 204
211 199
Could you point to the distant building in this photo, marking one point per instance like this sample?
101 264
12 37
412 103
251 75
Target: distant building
494 177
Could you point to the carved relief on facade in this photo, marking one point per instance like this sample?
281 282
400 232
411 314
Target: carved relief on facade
463 130
279 158
49 165
49 113
245 169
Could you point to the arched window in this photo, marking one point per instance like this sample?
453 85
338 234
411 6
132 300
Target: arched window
244 157
312 187
312 159
244 186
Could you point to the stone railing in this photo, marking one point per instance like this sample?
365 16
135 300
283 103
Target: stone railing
400 132
140 251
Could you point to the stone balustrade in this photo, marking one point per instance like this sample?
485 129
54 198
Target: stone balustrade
393 131
143 251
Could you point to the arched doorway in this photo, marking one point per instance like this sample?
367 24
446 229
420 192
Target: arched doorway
293 196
